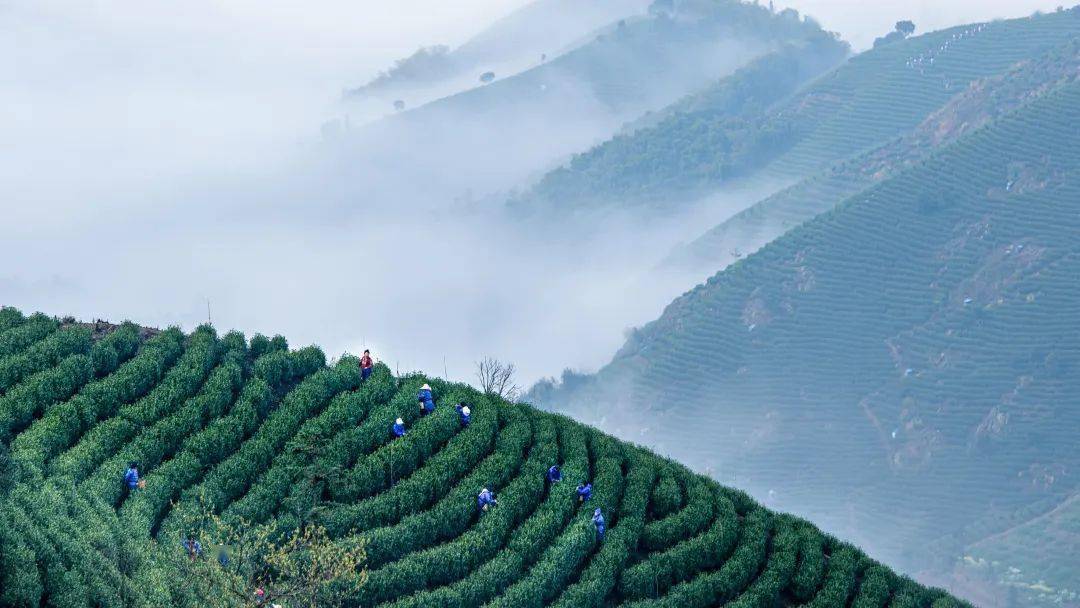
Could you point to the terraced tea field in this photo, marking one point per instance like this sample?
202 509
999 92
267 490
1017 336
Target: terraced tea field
903 366
705 143
976 105
235 423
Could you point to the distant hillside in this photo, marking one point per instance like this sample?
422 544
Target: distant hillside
1037 557
874 97
492 138
253 430
904 365
696 143
986 68
540 29
1027 69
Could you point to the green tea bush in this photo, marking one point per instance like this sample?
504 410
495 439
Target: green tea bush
43 355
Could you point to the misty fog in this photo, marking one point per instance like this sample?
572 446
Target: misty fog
165 165
155 187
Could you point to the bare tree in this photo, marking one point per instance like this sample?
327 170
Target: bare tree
497 378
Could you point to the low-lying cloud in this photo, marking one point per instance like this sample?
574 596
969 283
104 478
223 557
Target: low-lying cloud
167 166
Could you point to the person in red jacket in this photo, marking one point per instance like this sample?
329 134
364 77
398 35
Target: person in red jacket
366 365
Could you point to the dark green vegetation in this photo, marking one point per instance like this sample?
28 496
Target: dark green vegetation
277 436
905 366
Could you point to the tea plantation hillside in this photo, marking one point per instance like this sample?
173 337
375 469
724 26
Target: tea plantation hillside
241 424
694 149
903 366
983 101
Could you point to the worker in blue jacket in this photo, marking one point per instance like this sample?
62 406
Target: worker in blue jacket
554 475
427 402
399 428
584 492
131 477
192 547
598 521
486 500
465 413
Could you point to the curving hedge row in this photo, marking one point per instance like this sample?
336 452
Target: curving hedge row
20 337
162 439
35 394
683 523
218 440
845 565
657 573
44 354
78 542
766 589
347 446
41 571
667 494
452 516
10 317
599 579
452 561
20 577
63 423
876 587
58 520
345 411
234 475
811 572
722 585
909 594
435 478
400 458
559 564
527 541
179 384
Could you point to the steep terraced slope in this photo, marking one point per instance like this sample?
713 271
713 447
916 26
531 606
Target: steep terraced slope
981 102
902 366
871 99
239 425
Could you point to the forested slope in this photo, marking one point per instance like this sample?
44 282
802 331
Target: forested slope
239 425
902 366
